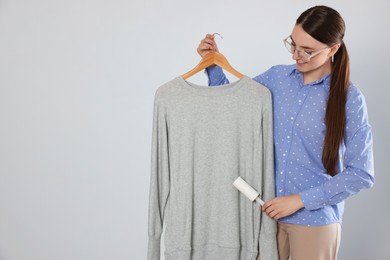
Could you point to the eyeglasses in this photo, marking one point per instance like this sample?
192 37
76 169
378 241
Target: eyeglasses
305 55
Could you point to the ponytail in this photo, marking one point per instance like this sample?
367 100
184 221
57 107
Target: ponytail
335 117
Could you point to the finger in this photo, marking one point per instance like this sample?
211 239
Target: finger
210 36
209 41
203 49
266 208
277 217
269 203
203 53
271 211
206 46
206 52
266 205
273 214
280 215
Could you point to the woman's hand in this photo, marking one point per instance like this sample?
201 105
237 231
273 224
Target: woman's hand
284 206
207 45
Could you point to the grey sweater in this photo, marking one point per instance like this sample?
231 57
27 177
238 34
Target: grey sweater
203 139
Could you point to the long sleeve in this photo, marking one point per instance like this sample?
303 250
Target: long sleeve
216 76
358 170
159 179
267 241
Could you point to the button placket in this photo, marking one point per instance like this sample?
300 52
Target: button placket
291 121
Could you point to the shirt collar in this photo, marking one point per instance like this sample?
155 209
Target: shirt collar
324 81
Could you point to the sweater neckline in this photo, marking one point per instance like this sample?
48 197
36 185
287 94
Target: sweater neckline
220 90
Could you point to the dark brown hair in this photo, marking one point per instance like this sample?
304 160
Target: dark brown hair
327 26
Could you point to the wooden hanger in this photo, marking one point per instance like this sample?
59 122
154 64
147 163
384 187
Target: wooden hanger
210 59
213 58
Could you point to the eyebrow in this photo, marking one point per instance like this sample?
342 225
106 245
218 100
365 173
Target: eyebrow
304 47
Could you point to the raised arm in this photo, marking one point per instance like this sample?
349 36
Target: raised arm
215 74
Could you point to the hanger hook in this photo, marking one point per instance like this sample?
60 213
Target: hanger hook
218 35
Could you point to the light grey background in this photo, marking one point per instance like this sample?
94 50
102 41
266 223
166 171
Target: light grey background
77 83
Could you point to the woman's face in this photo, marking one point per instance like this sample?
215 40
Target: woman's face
309 53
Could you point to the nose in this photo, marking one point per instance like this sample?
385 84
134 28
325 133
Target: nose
295 55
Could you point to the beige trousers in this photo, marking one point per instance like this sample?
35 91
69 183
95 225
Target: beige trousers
308 243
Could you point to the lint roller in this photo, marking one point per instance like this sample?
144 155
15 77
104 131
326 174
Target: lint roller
247 190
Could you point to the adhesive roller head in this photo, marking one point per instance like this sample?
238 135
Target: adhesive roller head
247 190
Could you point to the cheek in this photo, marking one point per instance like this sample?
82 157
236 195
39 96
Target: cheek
320 60
315 64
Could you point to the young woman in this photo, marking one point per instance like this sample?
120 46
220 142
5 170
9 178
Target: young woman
322 138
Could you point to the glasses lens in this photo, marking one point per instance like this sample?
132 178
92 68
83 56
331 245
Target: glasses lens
304 56
290 48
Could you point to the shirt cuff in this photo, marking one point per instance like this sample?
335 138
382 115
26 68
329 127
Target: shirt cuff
215 75
314 198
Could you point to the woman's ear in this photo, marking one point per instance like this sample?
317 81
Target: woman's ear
334 49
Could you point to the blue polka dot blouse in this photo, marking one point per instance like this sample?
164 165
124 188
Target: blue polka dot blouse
299 132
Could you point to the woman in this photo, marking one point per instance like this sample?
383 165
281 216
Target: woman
322 138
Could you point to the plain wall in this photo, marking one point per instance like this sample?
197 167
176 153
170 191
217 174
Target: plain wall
77 84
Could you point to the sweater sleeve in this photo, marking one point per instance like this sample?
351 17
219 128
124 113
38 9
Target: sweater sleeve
267 242
159 179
